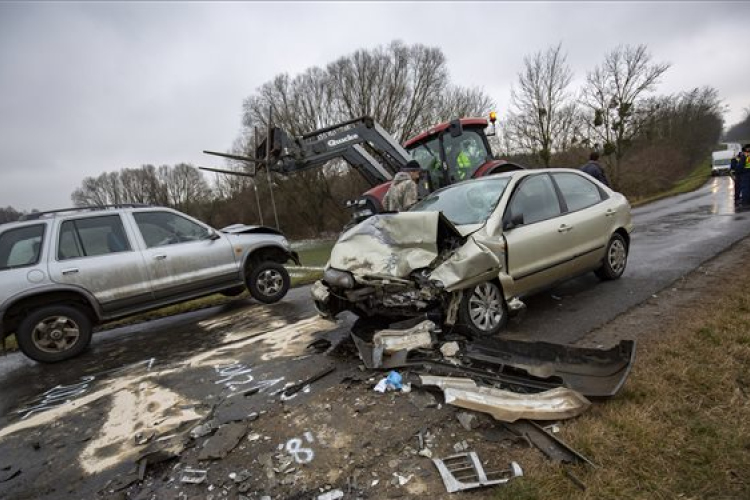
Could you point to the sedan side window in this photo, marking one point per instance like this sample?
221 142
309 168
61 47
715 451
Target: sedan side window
165 228
91 237
535 199
578 192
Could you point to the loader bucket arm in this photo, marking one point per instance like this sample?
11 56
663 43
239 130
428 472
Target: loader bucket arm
361 142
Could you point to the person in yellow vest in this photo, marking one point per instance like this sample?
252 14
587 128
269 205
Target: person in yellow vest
463 160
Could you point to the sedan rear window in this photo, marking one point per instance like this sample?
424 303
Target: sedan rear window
21 247
469 202
578 192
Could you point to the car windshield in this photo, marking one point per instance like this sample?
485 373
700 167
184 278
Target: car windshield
467 202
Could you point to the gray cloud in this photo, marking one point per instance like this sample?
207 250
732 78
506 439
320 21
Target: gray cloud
91 87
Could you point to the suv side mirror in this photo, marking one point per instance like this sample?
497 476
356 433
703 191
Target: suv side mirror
515 221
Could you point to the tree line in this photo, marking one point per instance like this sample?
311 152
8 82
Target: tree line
648 141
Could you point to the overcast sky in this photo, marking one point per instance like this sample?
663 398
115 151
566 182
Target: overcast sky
93 87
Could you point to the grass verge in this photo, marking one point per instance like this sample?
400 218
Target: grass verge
697 178
680 428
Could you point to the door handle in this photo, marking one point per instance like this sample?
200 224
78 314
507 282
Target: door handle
610 211
160 257
564 228
72 270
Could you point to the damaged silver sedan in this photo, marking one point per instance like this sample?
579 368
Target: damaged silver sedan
470 252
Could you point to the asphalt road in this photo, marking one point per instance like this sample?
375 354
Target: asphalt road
71 427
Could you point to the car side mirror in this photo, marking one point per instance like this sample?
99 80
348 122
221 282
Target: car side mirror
515 221
213 235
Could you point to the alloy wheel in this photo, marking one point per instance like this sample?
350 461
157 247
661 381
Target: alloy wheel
617 256
486 307
55 334
270 282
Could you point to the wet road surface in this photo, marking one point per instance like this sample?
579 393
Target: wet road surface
72 427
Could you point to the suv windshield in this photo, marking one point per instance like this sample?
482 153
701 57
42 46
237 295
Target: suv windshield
467 202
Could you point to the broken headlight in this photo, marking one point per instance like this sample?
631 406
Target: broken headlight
341 279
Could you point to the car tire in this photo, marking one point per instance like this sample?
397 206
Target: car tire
54 333
615 259
268 282
483 311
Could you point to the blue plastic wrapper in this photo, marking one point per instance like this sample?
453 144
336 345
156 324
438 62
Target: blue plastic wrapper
394 379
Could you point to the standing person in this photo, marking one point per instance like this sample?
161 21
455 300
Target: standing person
594 169
736 171
402 193
743 163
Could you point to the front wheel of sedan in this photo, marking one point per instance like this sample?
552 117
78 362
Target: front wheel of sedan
615 259
54 333
268 282
483 311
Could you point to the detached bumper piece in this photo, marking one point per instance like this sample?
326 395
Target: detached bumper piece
595 373
465 472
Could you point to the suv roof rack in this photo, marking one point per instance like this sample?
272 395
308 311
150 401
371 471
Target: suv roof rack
39 215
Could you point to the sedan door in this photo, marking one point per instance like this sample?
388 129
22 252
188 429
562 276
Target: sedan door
97 254
590 215
182 256
539 246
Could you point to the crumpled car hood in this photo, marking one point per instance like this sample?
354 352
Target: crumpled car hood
245 229
389 244
395 245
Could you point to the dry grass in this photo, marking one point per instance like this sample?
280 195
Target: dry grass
695 180
681 426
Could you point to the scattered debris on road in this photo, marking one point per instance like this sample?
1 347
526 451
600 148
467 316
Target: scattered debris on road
464 471
193 476
226 438
508 406
554 448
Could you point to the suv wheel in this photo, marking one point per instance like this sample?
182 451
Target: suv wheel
54 333
268 282
483 311
615 259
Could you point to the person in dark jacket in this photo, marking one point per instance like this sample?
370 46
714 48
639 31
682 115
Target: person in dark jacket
736 171
594 169
743 164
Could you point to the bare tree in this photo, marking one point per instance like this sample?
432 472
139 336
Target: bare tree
740 131
104 189
404 88
184 185
614 98
141 185
9 214
543 115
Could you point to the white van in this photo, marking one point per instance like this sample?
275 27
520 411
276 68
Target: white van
722 160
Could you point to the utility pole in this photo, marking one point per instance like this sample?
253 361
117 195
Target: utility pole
268 163
255 184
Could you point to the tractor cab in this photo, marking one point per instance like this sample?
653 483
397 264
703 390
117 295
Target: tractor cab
451 152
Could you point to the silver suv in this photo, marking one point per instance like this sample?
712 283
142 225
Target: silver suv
63 272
